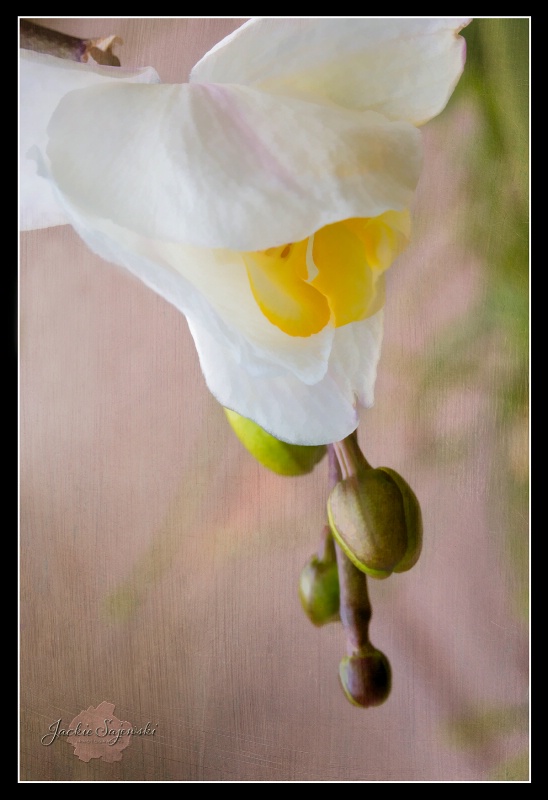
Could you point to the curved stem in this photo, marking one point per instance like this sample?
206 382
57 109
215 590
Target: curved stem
334 474
44 40
326 550
349 456
355 608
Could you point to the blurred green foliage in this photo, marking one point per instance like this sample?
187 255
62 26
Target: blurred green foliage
489 348
497 77
496 83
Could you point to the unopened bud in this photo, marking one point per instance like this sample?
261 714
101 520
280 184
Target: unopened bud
366 677
280 457
375 517
319 591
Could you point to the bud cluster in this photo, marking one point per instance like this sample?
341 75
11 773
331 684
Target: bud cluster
375 528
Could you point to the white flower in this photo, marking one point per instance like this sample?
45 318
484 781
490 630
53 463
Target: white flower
264 199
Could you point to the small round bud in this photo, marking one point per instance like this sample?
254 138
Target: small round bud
280 457
366 677
319 591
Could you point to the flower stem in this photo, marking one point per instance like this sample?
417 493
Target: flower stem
350 458
334 468
355 608
44 40
326 550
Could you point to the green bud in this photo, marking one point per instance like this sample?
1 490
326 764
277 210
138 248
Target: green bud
319 591
375 517
366 677
280 457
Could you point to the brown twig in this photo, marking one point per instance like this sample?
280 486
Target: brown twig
44 40
355 608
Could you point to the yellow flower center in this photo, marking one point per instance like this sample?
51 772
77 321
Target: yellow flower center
333 277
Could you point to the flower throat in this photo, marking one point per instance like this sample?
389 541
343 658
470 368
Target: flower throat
335 276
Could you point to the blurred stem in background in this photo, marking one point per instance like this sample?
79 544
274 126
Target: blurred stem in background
489 348
497 79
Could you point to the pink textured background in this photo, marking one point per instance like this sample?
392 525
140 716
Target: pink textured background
160 563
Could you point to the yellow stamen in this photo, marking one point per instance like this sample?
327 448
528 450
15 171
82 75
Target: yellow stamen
334 277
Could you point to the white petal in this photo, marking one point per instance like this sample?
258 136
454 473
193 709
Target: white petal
44 80
354 357
403 68
226 166
211 287
286 407
303 391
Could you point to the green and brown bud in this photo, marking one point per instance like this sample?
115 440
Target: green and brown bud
319 591
278 456
366 677
374 515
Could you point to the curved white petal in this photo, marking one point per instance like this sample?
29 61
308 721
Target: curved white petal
44 80
286 407
210 286
303 391
226 166
404 68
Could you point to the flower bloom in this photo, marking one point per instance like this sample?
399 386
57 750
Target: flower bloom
265 198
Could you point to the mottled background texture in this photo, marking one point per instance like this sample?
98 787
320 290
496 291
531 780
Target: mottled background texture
160 562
